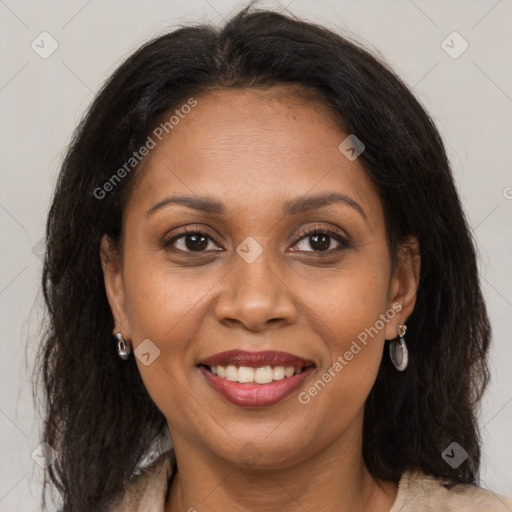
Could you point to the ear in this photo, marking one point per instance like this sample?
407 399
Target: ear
404 283
114 285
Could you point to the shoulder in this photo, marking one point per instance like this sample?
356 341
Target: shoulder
147 490
418 492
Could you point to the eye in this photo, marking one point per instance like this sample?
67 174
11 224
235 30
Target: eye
193 240
321 239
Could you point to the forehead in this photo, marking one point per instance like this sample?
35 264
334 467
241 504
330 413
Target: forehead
253 147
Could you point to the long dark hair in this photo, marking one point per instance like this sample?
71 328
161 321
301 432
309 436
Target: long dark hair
99 416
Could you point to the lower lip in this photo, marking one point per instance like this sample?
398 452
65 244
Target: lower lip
256 395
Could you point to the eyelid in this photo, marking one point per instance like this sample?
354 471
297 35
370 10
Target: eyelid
191 230
343 239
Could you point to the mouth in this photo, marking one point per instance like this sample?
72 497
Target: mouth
255 379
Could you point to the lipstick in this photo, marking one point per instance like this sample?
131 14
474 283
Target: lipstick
255 379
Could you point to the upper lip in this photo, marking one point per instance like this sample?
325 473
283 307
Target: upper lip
256 359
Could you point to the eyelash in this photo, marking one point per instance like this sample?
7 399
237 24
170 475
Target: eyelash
310 230
323 230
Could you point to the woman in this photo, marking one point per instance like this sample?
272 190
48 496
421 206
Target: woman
256 246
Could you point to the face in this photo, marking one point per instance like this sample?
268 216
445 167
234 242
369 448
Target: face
279 261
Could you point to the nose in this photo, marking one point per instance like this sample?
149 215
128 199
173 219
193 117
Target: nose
255 296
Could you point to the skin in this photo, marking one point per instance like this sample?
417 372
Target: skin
253 150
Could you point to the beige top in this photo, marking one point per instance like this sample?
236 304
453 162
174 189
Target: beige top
417 492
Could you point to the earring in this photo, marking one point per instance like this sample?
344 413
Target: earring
398 350
123 349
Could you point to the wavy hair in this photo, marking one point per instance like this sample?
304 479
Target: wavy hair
98 414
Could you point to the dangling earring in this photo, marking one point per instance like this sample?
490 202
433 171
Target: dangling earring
398 350
123 349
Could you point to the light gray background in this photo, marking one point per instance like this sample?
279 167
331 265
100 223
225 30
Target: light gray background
41 101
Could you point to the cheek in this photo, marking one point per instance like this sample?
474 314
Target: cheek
166 305
158 307
160 299
351 301
352 325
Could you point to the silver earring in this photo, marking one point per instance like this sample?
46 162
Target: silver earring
123 349
398 350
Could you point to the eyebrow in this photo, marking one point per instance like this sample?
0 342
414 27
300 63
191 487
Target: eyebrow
295 206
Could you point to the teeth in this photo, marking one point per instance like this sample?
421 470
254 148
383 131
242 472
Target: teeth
232 373
263 375
278 373
245 374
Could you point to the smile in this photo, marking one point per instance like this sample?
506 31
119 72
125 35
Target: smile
255 379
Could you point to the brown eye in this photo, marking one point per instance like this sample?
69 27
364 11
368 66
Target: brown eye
321 240
195 240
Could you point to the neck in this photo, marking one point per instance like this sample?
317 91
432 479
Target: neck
333 479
